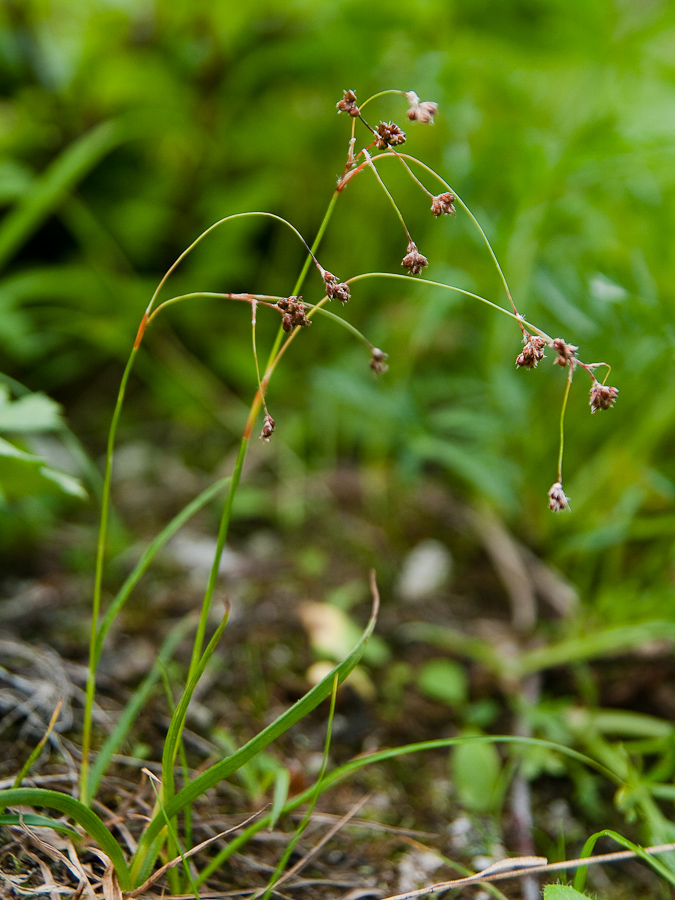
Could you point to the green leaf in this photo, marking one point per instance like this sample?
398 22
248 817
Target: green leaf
32 413
25 475
476 769
444 680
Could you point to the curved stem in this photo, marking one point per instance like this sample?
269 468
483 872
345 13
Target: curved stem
449 287
406 156
386 190
211 228
98 581
380 94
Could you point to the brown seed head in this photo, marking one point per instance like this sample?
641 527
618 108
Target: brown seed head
421 111
348 104
377 361
413 261
336 289
557 500
533 351
443 204
389 135
267 429
294 313
602 396
566 352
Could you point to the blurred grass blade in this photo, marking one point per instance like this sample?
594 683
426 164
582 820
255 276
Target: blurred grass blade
38 747
134 706
152 549
282 782
50 189
81 814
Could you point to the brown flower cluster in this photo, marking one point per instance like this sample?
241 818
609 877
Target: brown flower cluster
443 204
389 135
532 352
348 104
413 261
267 429
377 361
421 110
336 289
566 352
602 396
294 311
557 499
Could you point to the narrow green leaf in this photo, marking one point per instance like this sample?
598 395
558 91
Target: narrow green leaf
282 781
32 820
134 706
85 817
144 859
149 554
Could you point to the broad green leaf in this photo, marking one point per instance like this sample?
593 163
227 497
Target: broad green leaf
476 769
444 680
31 413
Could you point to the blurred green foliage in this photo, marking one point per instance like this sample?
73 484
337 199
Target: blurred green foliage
127 128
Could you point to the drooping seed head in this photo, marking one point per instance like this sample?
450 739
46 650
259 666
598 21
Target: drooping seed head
566 352
557 499
348 104
422 111
336 289
413 261
377 361
602 396
443 204
267 429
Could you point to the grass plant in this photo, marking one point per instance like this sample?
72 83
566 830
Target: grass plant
163 836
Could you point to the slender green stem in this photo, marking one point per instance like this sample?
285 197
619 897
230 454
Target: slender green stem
406 156
220 546
562 421
373 168
208 231
380 94
98 581
267 299
450 287
255 355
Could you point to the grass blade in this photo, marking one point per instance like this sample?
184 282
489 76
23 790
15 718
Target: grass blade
85 817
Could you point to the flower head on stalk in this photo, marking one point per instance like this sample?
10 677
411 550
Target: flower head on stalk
413 261
348 104
443 204
389 135
532 353
602 396
557 499
336 289
422 111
